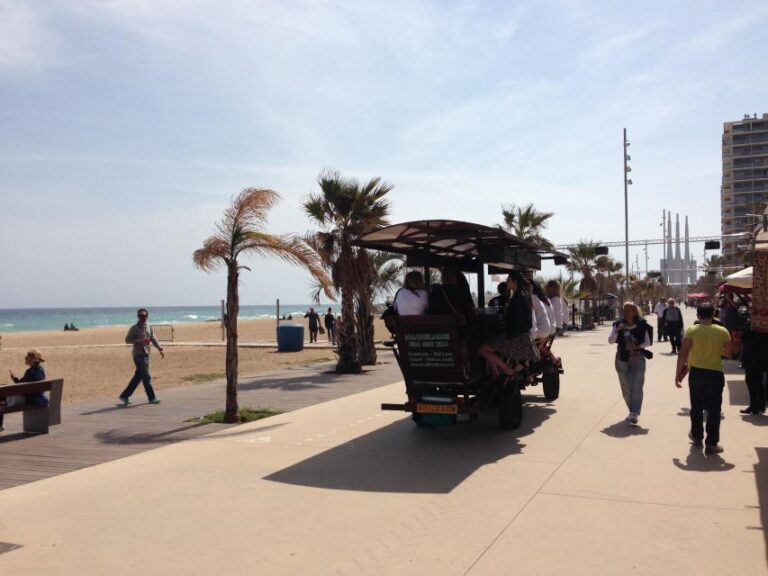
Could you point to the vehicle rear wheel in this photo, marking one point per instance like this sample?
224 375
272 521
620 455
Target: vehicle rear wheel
551 383
510 408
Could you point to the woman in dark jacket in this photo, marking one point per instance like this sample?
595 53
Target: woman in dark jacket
516 343
452 295
631 335
34 373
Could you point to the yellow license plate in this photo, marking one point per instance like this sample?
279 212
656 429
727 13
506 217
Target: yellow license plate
437 408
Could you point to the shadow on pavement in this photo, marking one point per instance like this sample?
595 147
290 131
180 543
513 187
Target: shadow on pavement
697 461
624 430
114 408
303 381
761 478
293 384
14 436
402 457
738 392
118 436
755 419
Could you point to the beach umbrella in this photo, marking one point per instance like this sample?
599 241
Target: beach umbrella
741 279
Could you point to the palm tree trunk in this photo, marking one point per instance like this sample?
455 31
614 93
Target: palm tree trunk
349 357
231 411
365 330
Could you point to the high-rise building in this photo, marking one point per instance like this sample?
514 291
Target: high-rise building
745 180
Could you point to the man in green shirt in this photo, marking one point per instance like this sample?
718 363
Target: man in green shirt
702 353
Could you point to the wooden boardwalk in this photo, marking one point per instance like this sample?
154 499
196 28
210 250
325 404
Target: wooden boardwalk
98 432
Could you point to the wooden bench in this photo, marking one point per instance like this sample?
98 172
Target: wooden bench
37 419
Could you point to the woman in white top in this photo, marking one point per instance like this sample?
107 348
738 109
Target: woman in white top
545 314
553 291
412 299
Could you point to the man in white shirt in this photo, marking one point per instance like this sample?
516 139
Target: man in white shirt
659 311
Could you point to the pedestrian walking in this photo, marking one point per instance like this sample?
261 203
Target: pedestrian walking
754 357
659 309
140 335
701 357
330 326
314 323
630 334
672 318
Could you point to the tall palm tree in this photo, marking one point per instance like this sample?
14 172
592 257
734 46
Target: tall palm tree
526 223
239 233
345 209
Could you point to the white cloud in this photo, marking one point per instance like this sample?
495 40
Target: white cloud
26 42
720 34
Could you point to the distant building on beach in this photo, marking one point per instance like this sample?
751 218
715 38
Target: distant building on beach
677 269
745 180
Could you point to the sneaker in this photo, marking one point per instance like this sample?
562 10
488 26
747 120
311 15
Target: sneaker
697 443
123 401
713 449
154 401
633 419
628 418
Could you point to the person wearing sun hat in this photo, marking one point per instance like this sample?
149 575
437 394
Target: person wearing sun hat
34 373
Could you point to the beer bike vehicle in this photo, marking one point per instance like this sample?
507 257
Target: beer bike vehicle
445 378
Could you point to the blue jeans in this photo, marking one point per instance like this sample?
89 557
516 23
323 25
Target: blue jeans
632 378
141 375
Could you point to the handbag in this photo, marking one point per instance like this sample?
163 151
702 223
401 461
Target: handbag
321 329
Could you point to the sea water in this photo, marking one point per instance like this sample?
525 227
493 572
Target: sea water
30 319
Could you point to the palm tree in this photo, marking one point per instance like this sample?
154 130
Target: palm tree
388 270
583 260
344 210
608 273
526 223
241 232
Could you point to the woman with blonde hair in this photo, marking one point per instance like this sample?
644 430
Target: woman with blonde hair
34 373
630 334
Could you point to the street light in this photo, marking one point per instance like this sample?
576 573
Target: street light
627 182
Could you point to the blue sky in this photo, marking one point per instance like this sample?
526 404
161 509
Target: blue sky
127 125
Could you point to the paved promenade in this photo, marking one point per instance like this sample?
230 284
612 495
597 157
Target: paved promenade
100 431
343 488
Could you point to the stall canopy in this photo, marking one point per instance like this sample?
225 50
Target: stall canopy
740 279
699 296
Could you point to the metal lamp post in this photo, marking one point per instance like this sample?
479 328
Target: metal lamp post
627 182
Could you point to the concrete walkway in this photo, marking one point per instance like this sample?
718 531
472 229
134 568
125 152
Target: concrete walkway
99 431
343 488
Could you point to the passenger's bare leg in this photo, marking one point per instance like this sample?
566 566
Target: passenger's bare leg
495 363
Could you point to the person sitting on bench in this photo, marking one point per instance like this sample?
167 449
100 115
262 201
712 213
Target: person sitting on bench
35 373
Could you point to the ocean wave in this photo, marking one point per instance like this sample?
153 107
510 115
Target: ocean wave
9 325
192 316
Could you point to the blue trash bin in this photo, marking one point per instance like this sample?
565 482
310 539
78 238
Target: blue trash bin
290 337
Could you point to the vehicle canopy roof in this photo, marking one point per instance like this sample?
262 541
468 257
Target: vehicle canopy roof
465 244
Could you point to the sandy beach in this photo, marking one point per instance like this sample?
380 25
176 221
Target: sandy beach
96 363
